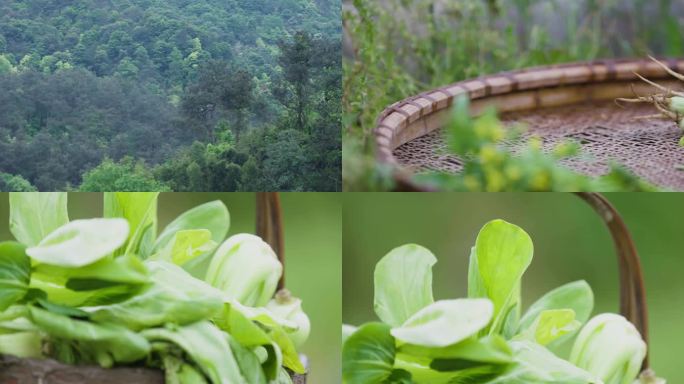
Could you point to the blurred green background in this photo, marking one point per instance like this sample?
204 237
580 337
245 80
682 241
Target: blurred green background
313 237
570 243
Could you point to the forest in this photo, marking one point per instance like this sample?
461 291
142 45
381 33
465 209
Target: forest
175 95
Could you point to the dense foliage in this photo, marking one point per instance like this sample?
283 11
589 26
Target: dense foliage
92 81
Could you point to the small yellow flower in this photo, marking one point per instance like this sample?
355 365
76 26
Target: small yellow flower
472 183
541 181
495 181
535 143
489 154
513 172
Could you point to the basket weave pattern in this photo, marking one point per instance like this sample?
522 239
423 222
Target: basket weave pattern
556 102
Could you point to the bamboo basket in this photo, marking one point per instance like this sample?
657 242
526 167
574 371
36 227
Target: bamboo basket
568 101
34 371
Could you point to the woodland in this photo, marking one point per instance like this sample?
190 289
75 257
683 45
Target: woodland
172 95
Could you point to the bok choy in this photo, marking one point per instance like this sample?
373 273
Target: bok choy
110 291
486 338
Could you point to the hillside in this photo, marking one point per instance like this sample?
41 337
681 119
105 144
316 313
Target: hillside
134 83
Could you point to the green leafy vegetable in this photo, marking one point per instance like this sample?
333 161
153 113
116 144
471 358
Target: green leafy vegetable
246 269
21 344
248 362
212 216
80 242
109 342
285 306
207 347
503 252
173 296
445 322
577 296
80 292
140 210
15 268
489 349
550 325
536 365
610 347
403 283
34 215
482 339
186 245
368 355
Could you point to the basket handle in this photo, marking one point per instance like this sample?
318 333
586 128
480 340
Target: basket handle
632 288
269 226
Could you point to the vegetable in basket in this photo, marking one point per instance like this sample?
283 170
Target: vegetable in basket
486 338
109 291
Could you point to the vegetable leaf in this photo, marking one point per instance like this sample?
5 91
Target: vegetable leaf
21 344
445 322
172 297
212 216
550 325
576 296
80 242
207 346
368 355
403 283
126 269
15 269
536 365
489 349
34 215
117 342
503 252
246 269
186 245
140 210
248 362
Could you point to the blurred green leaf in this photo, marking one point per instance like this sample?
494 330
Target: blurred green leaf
140 210
34 215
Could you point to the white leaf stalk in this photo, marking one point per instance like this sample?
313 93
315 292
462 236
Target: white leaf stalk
290 308
246 269
610 348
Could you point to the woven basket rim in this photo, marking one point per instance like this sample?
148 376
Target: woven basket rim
391 125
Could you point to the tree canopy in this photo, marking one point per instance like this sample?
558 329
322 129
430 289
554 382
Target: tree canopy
189 95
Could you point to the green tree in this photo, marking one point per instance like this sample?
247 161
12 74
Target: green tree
204 167
127 69
238 96
5 65
176 66
15 183
296 60
126 175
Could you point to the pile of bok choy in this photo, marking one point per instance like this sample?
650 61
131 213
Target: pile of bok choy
111 291
484 338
